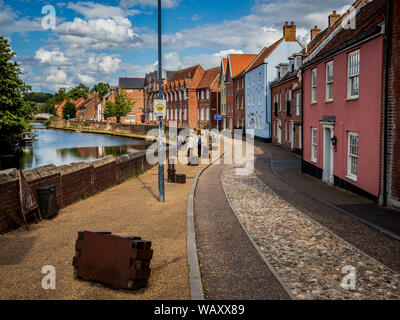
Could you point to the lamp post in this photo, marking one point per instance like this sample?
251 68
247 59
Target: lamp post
160 146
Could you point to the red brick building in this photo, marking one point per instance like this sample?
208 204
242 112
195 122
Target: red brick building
207 96
236 63
181 94
134 88
90 109
286 105
391 136
151 93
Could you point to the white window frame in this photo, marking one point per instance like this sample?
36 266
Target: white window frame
329 82
298 104
353 72
314 82
259 99
314 145
351 155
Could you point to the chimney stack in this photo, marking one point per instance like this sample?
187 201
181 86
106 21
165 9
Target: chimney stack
289 31
333 18
314 32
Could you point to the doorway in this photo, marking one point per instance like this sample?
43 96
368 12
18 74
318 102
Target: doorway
328 155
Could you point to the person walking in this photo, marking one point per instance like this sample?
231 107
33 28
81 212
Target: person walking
190 144
199 144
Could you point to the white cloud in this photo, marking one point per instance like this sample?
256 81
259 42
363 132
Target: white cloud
86 79
92 10
196 17
51 57
99 34
11 23
56 75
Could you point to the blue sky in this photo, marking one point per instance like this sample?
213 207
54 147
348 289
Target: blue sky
103 40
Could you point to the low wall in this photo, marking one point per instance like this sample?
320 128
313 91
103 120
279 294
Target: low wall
138 129
73 182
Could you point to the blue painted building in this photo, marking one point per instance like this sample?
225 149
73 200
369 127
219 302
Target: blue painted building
258 77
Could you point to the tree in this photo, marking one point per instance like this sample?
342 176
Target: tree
120 108
101 88
80 91
15 113
38 97
69 111
59 97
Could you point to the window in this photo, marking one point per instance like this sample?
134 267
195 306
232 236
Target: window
297 104
260 123
254 100
329 81
208 114
286 131
202 114
254 80
280 102
259 78
314 86
352 164
248 99
353 75
314 145
259 98
208 94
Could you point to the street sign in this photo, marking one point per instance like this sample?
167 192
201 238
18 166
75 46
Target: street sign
218 117
160 107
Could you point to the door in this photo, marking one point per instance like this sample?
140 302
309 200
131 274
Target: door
292 135
279 132
328 156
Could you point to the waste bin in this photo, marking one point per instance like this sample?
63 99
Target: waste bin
47 201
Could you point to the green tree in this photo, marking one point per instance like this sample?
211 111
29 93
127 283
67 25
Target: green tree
69 111
38 97
15 113
59 97
101 88
120 108
80 91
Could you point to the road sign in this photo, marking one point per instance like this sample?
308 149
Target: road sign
159 107
218 117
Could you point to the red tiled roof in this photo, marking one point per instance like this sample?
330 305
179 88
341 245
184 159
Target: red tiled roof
224 64
369 16
259 60
209 77
239 62
187 73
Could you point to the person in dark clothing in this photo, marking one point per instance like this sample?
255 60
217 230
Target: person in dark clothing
199 143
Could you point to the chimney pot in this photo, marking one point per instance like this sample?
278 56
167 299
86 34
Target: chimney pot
314 32
333 18
289 31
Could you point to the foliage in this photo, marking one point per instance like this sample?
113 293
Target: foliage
59 97
38 97
120 108
101 88
15 113
80 91
69 111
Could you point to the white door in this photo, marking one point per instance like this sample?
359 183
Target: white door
292 135
279 132
328 156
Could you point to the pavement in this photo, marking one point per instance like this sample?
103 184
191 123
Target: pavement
357 220
231 267
130 208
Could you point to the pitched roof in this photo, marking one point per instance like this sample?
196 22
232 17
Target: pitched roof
187 73
369 17
131 83
225 64
209 77
239 62
264 54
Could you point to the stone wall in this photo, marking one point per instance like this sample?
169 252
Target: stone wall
73 182
138 129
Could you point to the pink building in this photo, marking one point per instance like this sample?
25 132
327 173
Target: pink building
342 99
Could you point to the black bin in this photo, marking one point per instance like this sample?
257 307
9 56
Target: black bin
47 201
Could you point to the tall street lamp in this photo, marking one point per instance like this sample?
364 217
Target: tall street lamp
160 155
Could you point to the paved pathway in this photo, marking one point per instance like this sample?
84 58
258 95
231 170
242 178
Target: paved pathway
131 208
230 265
291 187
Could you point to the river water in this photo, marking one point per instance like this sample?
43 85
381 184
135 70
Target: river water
63 147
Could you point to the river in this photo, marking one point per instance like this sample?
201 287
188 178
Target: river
63 147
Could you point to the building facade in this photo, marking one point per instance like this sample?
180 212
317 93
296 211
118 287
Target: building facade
259 75
342 102
222 88
286 98
134 89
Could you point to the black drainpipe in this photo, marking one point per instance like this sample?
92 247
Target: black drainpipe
388 31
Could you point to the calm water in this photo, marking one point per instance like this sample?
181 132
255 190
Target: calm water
62 147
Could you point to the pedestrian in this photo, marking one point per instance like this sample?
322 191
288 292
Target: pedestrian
190 144
199 143
179 144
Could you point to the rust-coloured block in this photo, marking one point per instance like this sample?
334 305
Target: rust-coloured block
121 262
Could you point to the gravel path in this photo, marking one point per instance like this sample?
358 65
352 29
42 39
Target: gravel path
308 257
231 267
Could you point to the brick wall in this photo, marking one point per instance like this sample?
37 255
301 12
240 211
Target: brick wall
393 139
73 182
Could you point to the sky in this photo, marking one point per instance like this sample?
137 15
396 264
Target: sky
100 41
